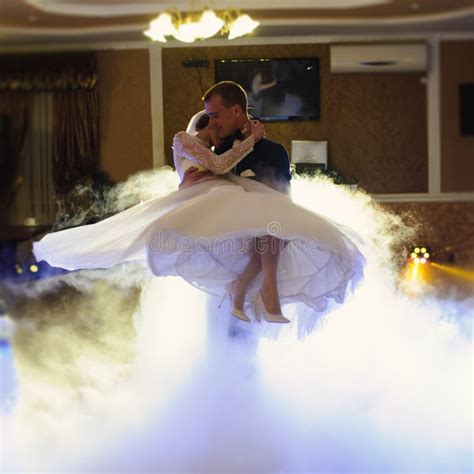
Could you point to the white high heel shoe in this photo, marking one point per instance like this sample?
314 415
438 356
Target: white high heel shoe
237 313
269 317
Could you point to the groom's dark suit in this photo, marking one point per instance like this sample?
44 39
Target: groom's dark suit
269 162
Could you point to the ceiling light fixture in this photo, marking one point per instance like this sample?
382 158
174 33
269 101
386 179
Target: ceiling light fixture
188 27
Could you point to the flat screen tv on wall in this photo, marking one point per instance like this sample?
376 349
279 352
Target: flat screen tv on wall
277 89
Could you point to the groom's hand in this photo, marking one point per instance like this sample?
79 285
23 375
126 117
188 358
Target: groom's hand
191 175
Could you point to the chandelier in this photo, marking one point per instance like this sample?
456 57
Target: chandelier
188 27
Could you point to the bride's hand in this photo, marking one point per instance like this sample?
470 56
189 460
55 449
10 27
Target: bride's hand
257 129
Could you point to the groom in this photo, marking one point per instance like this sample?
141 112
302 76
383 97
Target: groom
226 104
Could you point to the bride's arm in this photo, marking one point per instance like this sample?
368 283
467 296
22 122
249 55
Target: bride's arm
191 147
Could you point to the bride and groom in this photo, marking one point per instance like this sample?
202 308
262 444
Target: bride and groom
223 122
234 187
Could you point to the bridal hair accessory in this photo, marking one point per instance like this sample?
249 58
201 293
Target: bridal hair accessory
191 128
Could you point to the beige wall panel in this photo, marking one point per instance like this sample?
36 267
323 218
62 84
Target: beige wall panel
377 130
125 112
448 227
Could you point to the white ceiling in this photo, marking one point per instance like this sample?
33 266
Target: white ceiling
124 8
30 22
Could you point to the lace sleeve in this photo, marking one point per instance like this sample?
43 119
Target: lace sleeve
178 164
192 148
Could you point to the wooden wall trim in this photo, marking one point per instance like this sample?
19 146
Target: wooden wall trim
425 197
156 96
433 112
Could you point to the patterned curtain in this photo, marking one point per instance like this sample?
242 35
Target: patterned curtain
72 79
14 123
76 137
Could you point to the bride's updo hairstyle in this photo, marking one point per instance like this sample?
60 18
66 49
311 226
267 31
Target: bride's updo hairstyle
198 122
202 122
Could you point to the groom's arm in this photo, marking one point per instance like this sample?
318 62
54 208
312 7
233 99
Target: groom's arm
281 162
275 166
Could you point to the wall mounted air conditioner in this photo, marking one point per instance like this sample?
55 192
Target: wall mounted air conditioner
408 57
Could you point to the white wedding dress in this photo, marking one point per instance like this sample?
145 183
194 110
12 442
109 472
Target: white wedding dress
204 234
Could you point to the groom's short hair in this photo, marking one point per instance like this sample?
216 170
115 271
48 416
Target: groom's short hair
230 92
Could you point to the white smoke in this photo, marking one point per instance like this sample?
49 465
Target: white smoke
125 373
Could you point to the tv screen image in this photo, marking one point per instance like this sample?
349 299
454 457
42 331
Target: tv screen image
277 89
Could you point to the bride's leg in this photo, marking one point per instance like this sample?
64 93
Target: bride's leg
270 248
244 279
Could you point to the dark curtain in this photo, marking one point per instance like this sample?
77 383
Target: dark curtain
76 137
72 78
14 124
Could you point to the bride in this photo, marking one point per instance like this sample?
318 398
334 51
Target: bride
208 233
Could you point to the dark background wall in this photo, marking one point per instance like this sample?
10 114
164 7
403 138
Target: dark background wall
447 227
375 124
457 152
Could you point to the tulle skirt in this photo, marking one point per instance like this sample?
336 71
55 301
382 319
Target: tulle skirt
205 233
